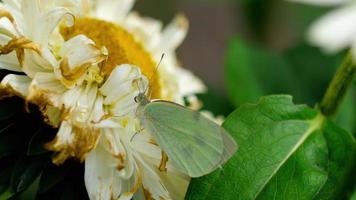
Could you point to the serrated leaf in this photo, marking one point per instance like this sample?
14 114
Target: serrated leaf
286 152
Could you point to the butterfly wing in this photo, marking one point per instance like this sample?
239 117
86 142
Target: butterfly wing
194 144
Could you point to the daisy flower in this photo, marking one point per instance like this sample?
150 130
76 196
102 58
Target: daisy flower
336 30
83 62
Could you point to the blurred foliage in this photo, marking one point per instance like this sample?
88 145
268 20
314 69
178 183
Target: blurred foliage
301 71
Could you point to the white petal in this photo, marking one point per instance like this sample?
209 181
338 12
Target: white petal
18 83
113 10
103 180
323 2
64 136
335 31
85 104
111 141
174 34
175 182
40 25
48 82
34 63
188 83
151 181
117 76
98 175
80 50
146 30
10 62
98 111
7 28
121 83
71 97
125 105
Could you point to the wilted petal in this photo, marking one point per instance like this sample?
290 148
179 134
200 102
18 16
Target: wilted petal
46 90
104 180
73 140
15 85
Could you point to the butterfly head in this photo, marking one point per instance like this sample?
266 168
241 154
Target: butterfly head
142 99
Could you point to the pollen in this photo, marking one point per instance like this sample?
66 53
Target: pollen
122 47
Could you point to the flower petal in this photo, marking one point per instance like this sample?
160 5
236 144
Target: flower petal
323 2
99 175
40 25
15 85
335 31
113 10
150 35
174 34
10 62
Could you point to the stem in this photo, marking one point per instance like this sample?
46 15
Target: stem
338 86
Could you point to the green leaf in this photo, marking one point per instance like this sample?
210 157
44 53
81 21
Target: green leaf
52 175
10 142
286 152
353 197
251 72
9 107
44 135
26 171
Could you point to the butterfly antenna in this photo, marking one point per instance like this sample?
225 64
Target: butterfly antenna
155 72
138 86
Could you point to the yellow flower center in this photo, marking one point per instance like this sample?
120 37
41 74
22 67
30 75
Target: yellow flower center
122 47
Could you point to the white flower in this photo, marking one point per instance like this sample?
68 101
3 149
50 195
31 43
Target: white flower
336 30
84 61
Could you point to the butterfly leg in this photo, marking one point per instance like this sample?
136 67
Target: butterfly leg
163 165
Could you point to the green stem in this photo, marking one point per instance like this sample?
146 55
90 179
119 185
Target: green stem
338 86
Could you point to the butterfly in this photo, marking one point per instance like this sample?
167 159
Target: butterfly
194 144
